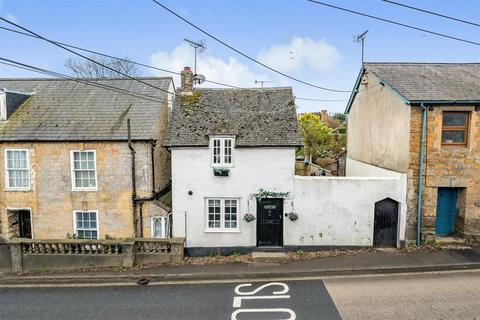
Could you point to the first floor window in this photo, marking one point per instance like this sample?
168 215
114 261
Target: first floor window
86 224
16 169
222 151
454 128
160 227
222 214
84 176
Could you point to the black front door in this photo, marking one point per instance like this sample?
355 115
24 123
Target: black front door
385 224
270 223
25 223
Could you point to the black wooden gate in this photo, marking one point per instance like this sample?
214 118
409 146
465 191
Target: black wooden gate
385 225
270 223
5 264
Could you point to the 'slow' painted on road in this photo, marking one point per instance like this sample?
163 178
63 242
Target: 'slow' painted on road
279 291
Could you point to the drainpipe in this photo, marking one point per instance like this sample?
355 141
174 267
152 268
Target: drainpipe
420 175
134 188
152 149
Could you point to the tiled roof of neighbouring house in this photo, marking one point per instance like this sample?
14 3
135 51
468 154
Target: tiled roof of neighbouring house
257 117
431 81
66 110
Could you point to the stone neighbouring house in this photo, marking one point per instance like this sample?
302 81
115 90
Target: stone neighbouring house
67 166
233 158
385 117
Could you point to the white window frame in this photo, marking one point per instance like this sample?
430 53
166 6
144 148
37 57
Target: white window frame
222 163
222 215
75 221
164 221
7 182
72 171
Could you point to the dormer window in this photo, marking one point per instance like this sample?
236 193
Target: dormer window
222 151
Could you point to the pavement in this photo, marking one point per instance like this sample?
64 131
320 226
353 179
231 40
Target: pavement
427 295
377 262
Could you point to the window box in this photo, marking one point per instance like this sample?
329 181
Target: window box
221 172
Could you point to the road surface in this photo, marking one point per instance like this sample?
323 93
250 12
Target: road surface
416 296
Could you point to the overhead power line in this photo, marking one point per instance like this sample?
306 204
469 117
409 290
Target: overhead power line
24 66
433 13
321 100
395 22
110 56
244 54
85 57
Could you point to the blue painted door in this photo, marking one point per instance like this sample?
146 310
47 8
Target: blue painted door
446 211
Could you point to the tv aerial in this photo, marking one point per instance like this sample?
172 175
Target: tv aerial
199 46
262 82
360 38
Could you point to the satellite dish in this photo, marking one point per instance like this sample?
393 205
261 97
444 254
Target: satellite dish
199 78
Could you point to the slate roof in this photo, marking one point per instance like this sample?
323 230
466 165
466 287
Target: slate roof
257 117
431 81
66 110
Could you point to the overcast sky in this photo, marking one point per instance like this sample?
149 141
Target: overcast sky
305 40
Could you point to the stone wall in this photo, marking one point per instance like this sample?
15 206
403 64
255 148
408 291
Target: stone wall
456 167
52 200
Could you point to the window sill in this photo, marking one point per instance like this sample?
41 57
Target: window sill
84 190
17 189
222 231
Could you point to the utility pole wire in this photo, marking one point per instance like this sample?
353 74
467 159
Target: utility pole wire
135 62
24 66
83 56
433 13
244 54
394 22
113 57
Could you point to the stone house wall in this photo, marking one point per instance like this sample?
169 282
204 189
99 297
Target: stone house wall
456 167
52 201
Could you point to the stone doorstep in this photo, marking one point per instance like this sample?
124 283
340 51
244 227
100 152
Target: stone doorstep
265 256
449 241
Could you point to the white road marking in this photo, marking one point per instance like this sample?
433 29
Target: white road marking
237 301
237 288
291 314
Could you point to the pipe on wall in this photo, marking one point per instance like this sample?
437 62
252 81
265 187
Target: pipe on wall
152 150
420 174
134 188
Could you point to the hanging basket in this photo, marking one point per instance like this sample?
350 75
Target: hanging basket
292 216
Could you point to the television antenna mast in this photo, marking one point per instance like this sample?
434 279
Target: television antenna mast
197 45
262 82
360 38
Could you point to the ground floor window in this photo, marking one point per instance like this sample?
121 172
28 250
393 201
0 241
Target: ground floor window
222 214
160 227
86 224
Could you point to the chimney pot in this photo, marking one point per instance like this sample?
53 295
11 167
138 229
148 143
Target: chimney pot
186 81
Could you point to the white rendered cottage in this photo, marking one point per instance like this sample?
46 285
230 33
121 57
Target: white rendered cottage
230 145
227 145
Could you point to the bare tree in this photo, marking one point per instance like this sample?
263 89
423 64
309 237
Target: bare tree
88 69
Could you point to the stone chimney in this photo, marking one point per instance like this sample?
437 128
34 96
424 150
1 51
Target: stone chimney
324 116
187 81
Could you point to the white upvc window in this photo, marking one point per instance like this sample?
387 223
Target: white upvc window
159 227
222 151
17 169
84 170
85 224
222 214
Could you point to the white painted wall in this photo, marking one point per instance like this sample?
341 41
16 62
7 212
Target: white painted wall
356 168
339 211
271 169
